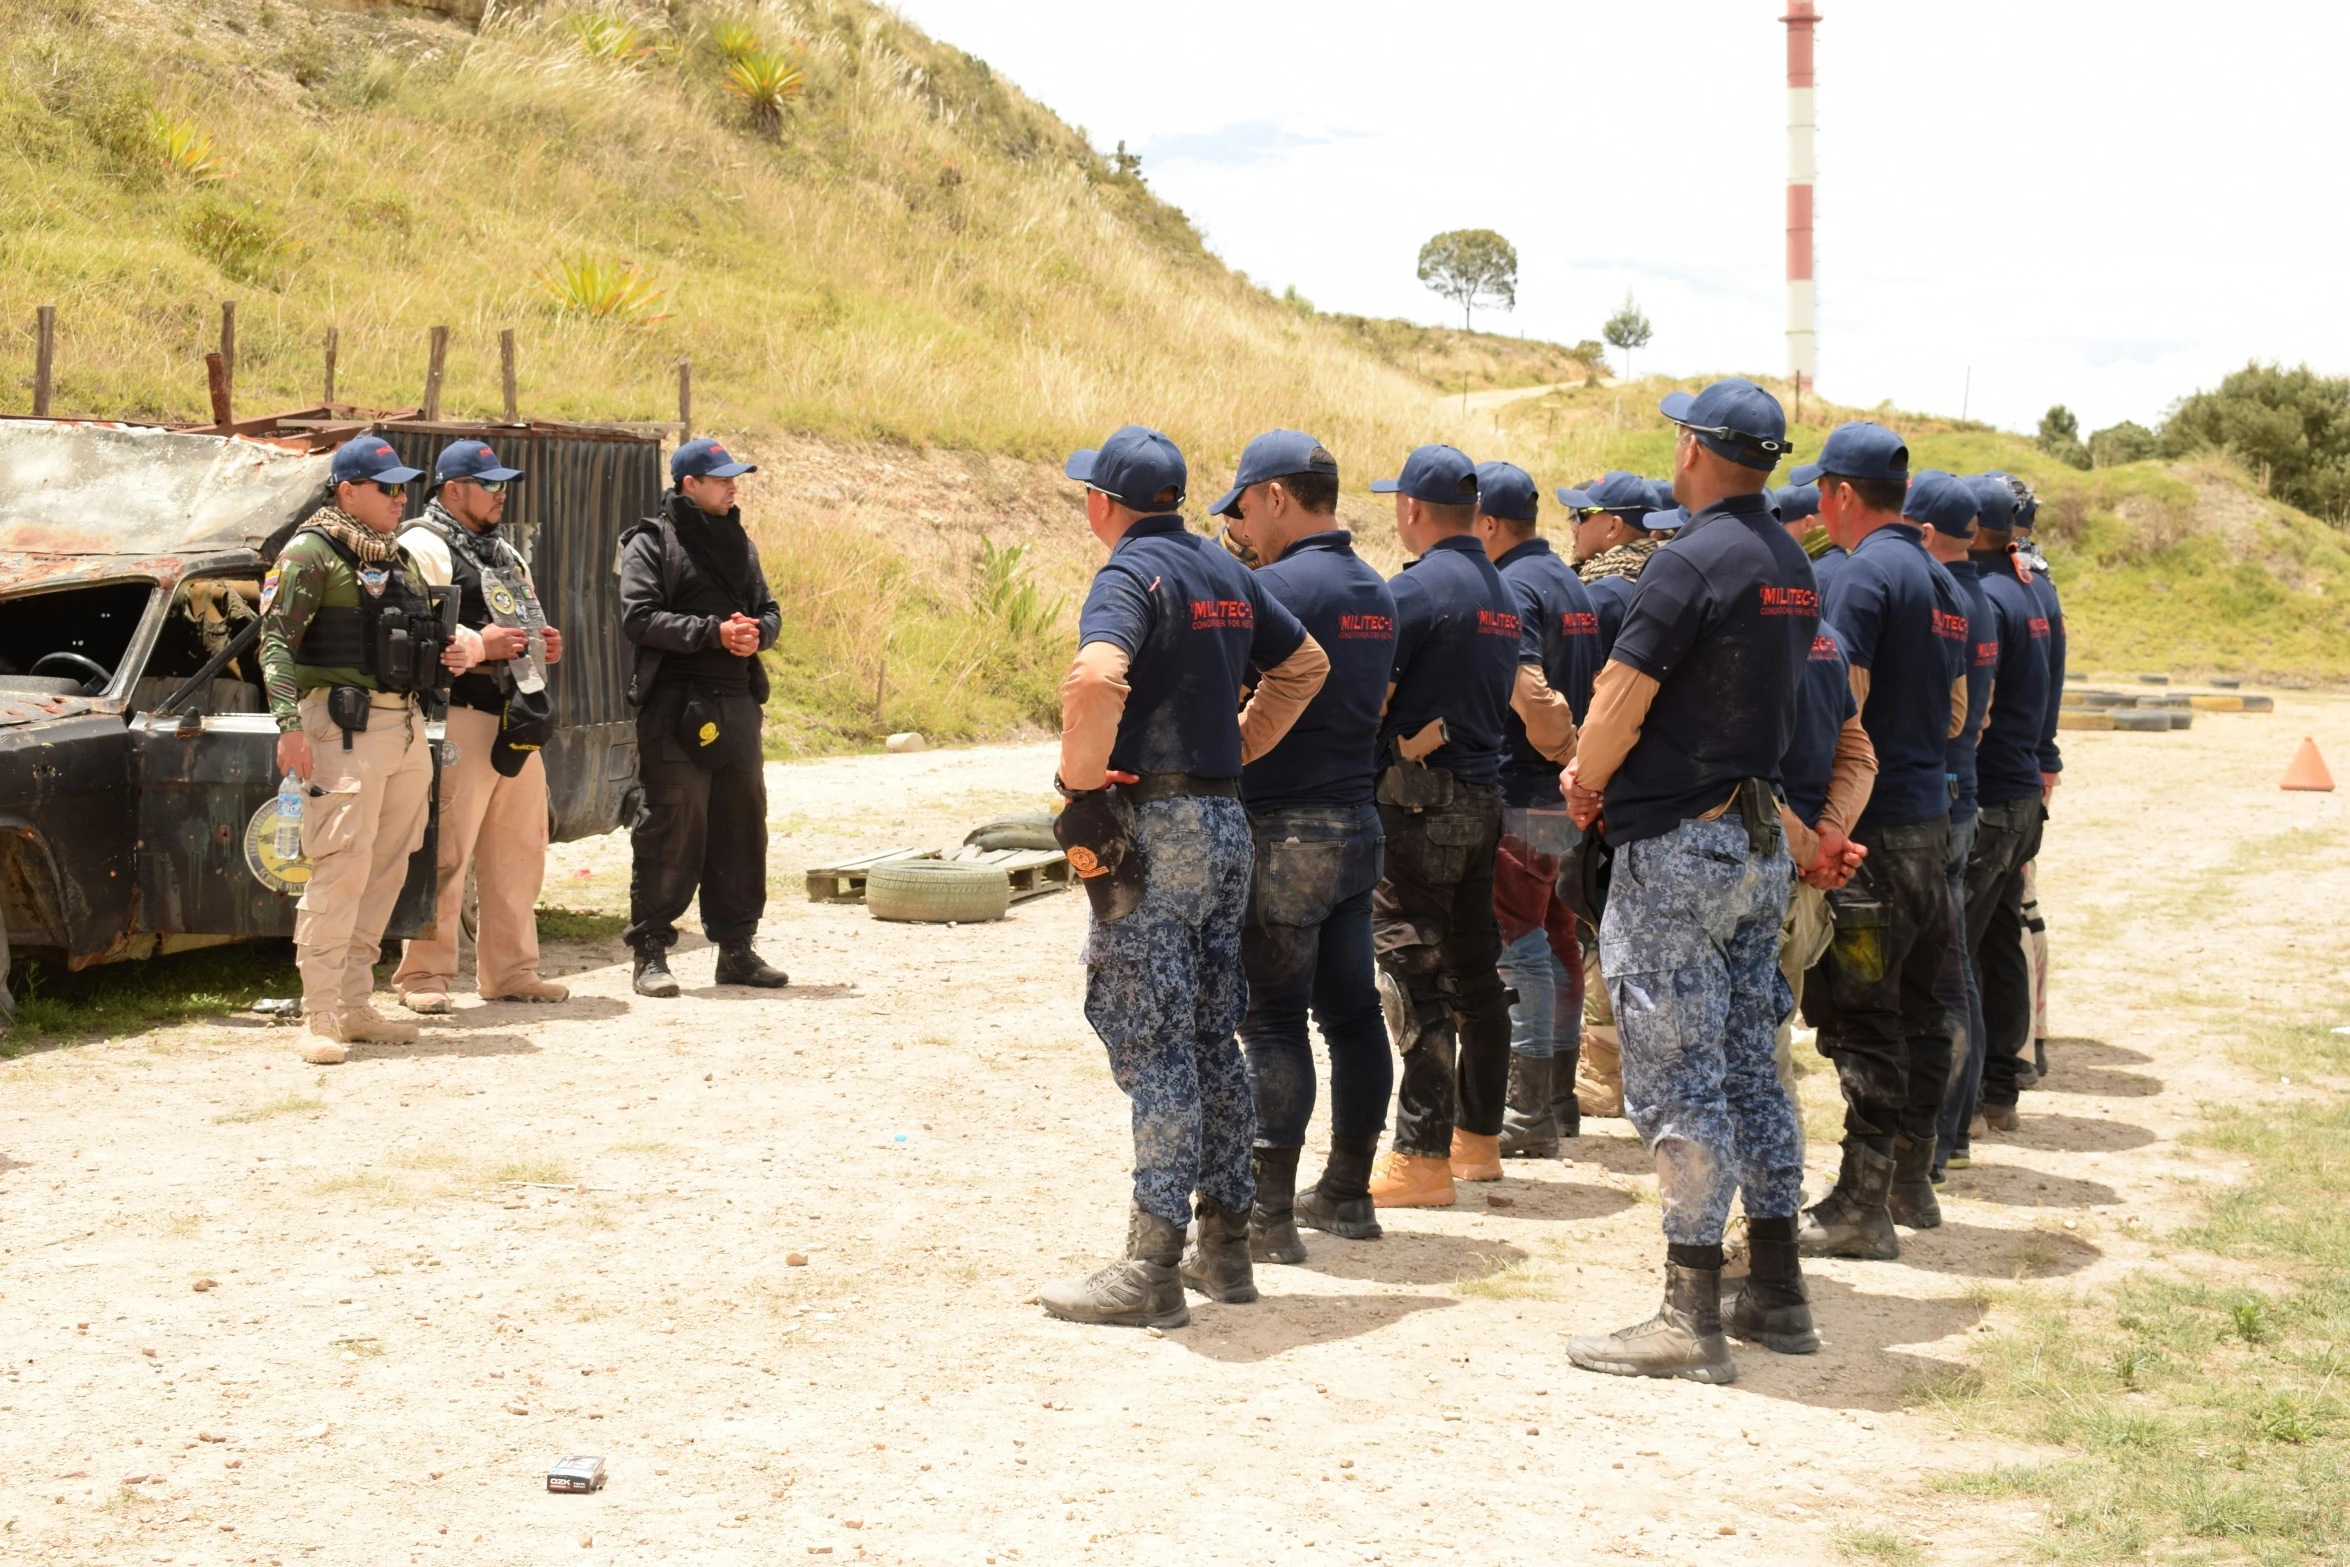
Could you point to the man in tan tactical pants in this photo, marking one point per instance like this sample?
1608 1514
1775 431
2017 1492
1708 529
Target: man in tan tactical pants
362 817
500 824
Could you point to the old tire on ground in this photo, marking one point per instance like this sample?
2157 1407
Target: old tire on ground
2151 720
936 891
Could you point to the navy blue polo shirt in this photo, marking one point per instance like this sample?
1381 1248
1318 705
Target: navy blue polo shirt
1192 620
1331 755
1982 660
1458 644
2007 763
1724 621
1557 614
2052 610
1823 570
1823 701
1610 596
1902 621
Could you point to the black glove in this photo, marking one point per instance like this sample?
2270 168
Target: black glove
1096 830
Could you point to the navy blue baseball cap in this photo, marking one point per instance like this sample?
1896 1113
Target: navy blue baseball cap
1733 418
1669 519
1661 490
1441 475
1994 501
1627 494
1804 473
1133 467
706 459
470 460
1861 450
1276 454
1942 502
1798 501
365 457
1506 490
2027 504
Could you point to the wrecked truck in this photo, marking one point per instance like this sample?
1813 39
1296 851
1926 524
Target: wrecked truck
136 745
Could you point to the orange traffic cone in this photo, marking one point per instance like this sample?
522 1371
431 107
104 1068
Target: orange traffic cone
2307 770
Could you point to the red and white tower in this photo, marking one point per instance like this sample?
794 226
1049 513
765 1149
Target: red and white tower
1802 345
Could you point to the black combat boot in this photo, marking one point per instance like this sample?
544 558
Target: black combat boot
1272 1221
739 965
1684 1339
1774 1309
1529 1130
1851 1220
1911 1199
1140 1290
1565 1108
1340 1202
1217 1263
652 977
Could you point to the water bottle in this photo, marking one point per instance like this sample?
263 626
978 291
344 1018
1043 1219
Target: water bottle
288 842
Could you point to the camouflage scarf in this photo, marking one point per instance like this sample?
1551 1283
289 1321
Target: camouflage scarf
354 535
1625 560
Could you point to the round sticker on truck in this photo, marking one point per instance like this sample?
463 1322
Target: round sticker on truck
270 868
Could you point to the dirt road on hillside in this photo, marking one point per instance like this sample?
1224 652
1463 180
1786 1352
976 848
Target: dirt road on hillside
396 1339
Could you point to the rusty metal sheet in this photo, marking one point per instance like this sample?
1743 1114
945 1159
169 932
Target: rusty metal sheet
79 488
25 707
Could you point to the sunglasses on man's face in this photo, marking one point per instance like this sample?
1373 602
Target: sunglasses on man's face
489 486
395 491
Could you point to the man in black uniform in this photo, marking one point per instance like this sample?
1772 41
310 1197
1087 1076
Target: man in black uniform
1541 958
1307 943
1151 760
695 602
1457 648
1880 1009
1679 766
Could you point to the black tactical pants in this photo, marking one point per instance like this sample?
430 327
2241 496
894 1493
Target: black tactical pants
1876 996
1436 940
2008 840
698 828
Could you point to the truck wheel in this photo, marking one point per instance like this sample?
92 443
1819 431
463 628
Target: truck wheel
936 891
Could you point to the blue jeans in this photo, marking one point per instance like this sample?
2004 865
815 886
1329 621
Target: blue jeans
1690 947
1163 989
1540 958
1966 1077
1307 946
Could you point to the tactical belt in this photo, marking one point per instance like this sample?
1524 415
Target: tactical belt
1174 786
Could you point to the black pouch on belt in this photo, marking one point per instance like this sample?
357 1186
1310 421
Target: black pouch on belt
700 730
1758 807
1096 830
347 707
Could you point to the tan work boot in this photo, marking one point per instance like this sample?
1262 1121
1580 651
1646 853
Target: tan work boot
366 1026
1599 1075
1475 1157
535 989
430 1002
1410 1180
325 1047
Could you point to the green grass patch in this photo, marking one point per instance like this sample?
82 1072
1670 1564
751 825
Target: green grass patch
116 999
579 925
284 1104
1876 1545
551 1171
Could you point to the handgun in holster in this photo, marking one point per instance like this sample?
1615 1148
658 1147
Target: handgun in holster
1408 781
1758 805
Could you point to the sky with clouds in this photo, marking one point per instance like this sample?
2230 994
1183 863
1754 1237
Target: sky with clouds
2104 205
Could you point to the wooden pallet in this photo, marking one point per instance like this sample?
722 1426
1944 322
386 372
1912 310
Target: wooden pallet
1030 871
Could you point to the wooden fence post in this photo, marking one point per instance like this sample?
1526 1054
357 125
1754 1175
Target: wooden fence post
216 378
334 340
432 374
228 344
44 357
506 373
685 401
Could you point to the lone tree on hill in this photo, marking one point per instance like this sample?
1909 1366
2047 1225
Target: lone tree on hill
2060 437
1627 329
1471 267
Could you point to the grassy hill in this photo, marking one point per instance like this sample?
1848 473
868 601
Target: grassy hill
907 296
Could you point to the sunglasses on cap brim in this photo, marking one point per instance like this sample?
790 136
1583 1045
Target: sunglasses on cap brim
1762 444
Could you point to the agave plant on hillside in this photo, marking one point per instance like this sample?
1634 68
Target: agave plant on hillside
618 291
736 41
611 39
186 149
766 81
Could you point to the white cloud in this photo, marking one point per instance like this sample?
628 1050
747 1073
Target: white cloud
2019 203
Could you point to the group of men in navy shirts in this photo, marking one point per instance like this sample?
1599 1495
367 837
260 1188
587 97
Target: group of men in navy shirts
1782 765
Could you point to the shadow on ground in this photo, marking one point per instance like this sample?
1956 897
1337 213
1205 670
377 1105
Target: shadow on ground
1280 1323
1401 1257
448 1044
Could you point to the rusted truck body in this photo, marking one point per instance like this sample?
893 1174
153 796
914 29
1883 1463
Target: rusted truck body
130 562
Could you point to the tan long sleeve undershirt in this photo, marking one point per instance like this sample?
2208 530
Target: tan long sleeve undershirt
1620 699
1282 693
1550 723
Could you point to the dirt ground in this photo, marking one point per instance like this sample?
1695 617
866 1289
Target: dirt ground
777 1264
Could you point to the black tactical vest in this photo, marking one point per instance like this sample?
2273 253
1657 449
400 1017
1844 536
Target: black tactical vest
394 635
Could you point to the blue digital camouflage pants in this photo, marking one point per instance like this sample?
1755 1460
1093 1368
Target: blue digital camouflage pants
1690 947
1165 991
